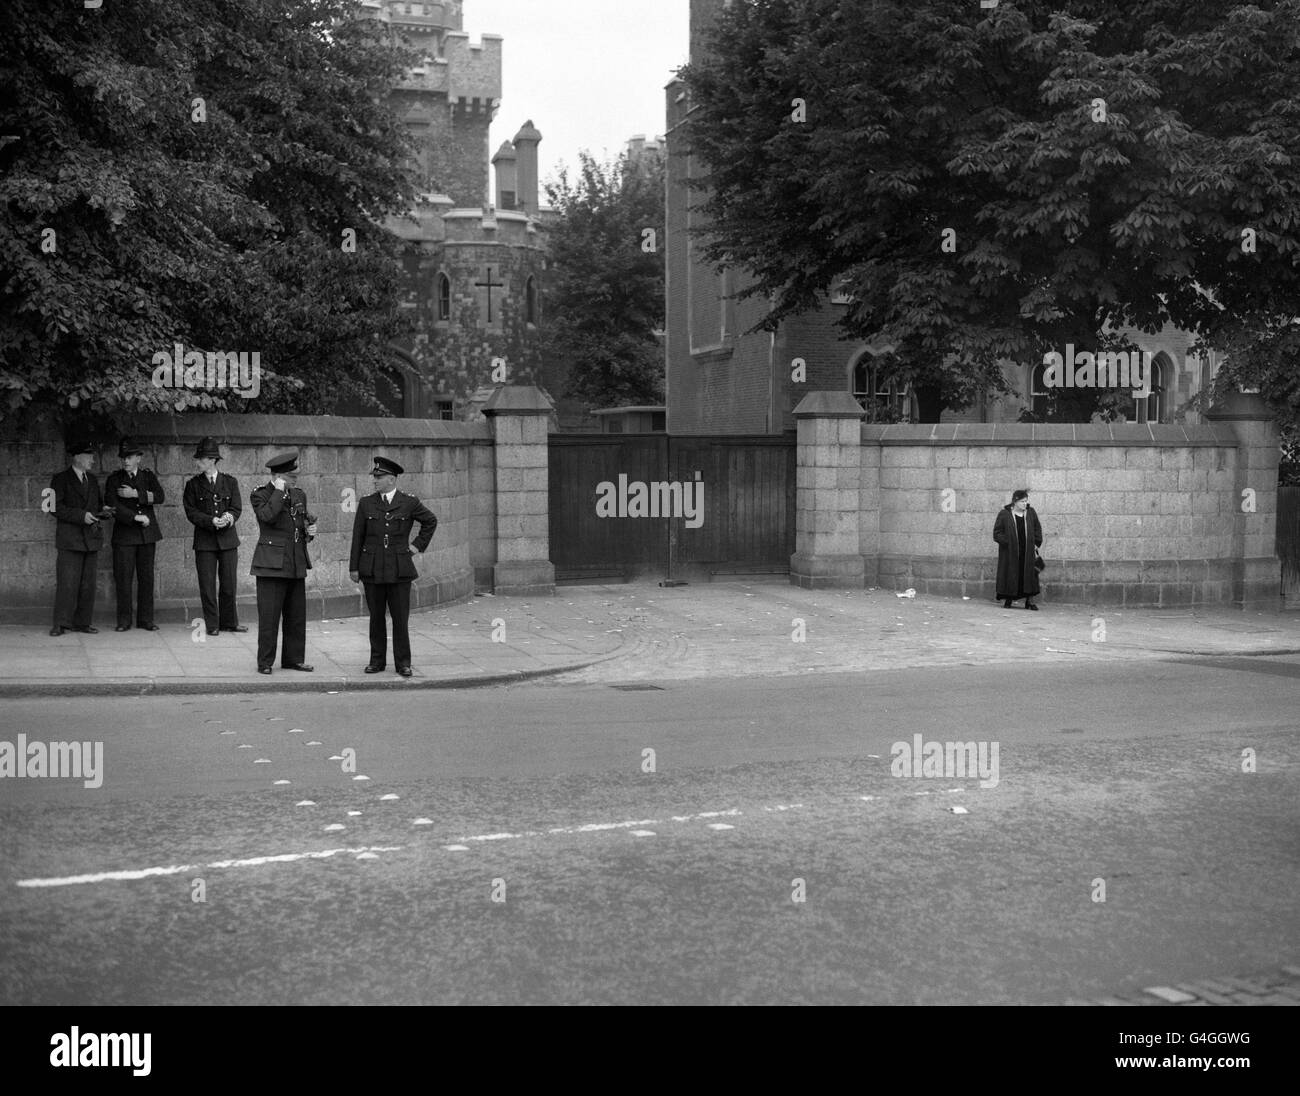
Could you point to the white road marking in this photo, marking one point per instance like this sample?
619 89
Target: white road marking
178 869
361 778
353 814
643 833
334 827
720 826
262 761
296 730
386 798
305 803
422 822
279 783
456 848
959 810
313 743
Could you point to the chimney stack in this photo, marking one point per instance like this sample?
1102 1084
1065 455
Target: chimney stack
526 142
506 164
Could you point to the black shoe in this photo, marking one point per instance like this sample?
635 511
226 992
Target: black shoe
214 631
238 628
122 628
375 667
58 630
299 666
148 627
1031 605
1006 603
405 671
264 669
87 628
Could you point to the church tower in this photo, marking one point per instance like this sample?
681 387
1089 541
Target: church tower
475 257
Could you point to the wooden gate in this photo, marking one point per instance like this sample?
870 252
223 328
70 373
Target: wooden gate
688 508
1288 542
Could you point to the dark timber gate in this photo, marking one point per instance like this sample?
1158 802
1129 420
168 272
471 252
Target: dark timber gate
743 525
1288 542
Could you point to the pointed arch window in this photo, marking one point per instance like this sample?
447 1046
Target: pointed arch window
1155 407
444 298
530 300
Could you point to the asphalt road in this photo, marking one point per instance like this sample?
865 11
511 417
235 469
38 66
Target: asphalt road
529 856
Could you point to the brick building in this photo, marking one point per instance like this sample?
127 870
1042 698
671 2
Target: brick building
719 380
474 259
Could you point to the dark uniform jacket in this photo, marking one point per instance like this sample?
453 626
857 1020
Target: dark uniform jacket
1016 574
205 501
73 500
282 538
126 530
381 544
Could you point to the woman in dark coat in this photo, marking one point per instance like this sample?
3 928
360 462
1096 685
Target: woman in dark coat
1018 533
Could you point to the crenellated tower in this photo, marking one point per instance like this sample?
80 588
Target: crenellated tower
449 100
474 260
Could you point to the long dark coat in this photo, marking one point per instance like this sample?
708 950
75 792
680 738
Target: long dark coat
73 500
1016 577
126 530
203 502
381 544
282 538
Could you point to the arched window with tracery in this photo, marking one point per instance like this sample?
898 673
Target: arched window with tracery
883 398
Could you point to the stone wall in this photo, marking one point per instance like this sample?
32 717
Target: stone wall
449 466
1153 516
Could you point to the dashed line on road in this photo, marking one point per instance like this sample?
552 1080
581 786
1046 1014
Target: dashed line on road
177 869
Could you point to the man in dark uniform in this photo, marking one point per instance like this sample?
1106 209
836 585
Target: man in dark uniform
78 538
133 492
381 559
280 564
212 505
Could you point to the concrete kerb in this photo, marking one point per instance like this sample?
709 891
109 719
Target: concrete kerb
299 683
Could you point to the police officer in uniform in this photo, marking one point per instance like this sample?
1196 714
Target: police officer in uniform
381 560
78 538
133 492
280 564
212 505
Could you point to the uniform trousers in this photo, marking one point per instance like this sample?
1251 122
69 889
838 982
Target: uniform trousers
396 598
220 612
134 561
74 589
281 599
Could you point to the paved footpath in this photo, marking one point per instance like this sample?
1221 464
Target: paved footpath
639 633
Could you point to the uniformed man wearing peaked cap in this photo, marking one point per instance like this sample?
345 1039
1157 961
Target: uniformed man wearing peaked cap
381 561
212 506
280 565
133 492
78 537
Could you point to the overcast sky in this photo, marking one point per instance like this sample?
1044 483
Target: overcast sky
589 73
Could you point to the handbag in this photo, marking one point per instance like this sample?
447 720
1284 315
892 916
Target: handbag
1039 565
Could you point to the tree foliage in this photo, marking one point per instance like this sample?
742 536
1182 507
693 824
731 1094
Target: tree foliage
1096 169
605 306
220 225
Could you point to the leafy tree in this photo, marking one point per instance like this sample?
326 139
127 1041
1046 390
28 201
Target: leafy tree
133 216
605 308
1088 170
